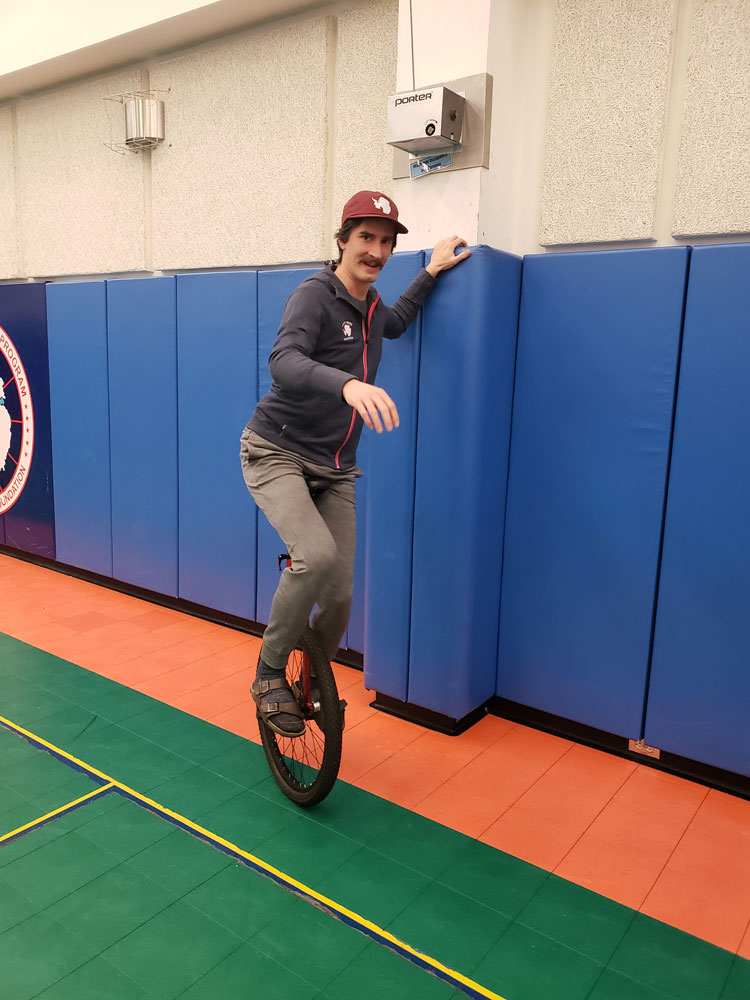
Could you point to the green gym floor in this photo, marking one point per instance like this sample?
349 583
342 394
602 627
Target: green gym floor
146 853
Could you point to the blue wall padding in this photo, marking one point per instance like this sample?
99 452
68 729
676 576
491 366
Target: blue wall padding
389 513
598 346
29 515
217 365
141 322
469 330
274 288
700 680
79 399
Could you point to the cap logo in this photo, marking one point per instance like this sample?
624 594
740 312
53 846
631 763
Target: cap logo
383 204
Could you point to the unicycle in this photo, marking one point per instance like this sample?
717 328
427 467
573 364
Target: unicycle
305 767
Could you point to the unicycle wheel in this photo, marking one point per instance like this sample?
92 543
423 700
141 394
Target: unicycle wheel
305 767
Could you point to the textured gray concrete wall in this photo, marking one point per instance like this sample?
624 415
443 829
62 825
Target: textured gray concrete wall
241 178
365 78
713 182
605 124
9 266
81 205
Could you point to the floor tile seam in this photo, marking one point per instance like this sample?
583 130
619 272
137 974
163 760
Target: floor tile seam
265 954
69 972
578 839
207 972
469 973
383 761
303 819
138 686
515 922
123 724
661 992
191 663
168 645
744 935
461 767
85 885
102 646
603 962
521 794
100 958
673 851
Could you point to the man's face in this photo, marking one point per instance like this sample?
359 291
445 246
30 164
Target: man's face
368 249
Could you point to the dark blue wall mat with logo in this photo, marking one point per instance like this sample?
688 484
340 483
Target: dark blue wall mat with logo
79 398
700 682
389 513
217 366
26 481
598 350
274 288
141 323
469 330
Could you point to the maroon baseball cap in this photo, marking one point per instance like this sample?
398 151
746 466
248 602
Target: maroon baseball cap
372 205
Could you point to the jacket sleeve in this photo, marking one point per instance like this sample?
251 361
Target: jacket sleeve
406 307
291 361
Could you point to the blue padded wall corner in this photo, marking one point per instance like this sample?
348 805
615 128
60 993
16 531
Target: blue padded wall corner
389 515
699 693
598 347
79 401
141 330
217 365
469 328
27 503
274 288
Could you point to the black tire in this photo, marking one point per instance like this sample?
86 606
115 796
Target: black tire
305 767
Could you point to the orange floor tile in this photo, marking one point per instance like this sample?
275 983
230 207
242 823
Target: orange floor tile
669 847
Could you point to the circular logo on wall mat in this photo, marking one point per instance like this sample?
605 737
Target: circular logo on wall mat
16 424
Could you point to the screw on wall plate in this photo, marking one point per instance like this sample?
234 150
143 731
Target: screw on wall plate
638 746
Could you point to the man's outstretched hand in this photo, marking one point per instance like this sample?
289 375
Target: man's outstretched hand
444 255
371 403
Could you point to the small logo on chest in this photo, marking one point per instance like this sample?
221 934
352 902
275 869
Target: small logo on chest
348 332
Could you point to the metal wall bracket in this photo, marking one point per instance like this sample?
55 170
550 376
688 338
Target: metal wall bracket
638 746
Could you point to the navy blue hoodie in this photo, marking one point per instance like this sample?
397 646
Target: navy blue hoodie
326 338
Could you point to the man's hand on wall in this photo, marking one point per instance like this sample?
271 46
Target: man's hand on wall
444 255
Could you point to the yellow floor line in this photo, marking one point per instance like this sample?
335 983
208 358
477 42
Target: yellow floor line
350 916
56 812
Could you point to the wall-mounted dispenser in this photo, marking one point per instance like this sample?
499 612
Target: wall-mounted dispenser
426 137
425 121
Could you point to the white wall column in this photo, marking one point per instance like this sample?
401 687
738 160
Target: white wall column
449 41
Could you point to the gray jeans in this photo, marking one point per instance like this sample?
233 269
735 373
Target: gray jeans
313 510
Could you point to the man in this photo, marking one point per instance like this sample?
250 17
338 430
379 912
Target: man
298 451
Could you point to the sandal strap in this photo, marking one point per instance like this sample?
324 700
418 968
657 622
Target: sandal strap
264 687
259 689
277 707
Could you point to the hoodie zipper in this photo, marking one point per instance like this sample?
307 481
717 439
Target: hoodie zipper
366 338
